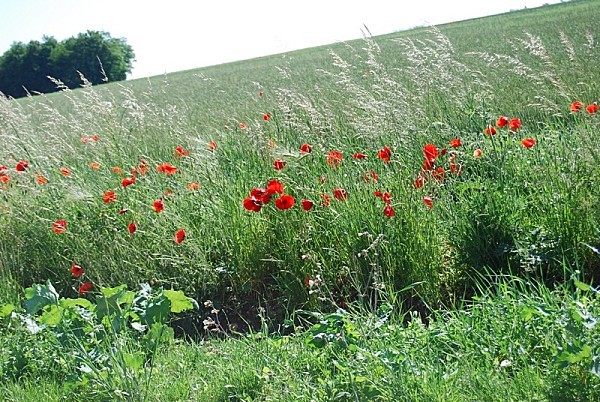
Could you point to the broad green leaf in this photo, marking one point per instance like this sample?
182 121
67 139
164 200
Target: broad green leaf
179 301
6 310
134 360
39 296
157 310
67 303
583 286
51 315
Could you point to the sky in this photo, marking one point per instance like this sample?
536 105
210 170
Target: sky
175 35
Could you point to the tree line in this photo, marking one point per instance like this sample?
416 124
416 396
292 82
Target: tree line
25 68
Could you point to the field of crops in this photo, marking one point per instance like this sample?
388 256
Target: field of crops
441 184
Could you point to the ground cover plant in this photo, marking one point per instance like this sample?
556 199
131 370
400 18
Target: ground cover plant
390 177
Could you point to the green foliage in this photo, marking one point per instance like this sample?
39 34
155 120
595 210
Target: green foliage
89 58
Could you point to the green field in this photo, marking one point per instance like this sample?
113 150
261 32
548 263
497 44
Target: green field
431 269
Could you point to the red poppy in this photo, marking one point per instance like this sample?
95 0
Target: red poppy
490 130
94 138
371 175
326 200
2 167
95 166
385 154
431 153
428 165
477 153
455 143
428 201
502 121
514 124
159 205
21 166
285 202
128 181
180 151
4 178
60 226
41 180
309 282
192 186
340 194
274 186
65 172
243 126
261 195
260 94
420 181
279 164
252 204
389 211
592 108
359 155
179 236
334 158
167 169
455 168
109 196
306 149
122 211
85 287
576 106
378 193
528 142
76 271
212 146
117 170
266 116
307 205
386 197
439 174
143 166
132 227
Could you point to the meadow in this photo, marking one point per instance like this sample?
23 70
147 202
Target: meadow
412 216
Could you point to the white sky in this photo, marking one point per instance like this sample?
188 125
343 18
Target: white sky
175 35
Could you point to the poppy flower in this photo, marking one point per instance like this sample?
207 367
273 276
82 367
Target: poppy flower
385 154
260 94
428 201
274 186
65 172
168 192
243 126
490 130
41 180
266 116
122 211
514 124
428 165
340 194
85 287
386 197
326 200
502 121
212 146
305 149
21 166
528 142
180 151
193 186
4 178
592 108
252 204
142 167
109 196
179 236
309 282
389 211
167 169
2 167
95 166
132 227
455 168
431 153
420 181
477 153
128 181
76 271
285 202
85 140
60 226
455 143
94 138
371 175
334 158
159 205
439 174
117 170
307 205
576 107
279 164
261 195
359 155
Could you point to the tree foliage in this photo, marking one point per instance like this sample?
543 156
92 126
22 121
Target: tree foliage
94 55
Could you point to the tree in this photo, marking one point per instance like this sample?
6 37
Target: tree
94 54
